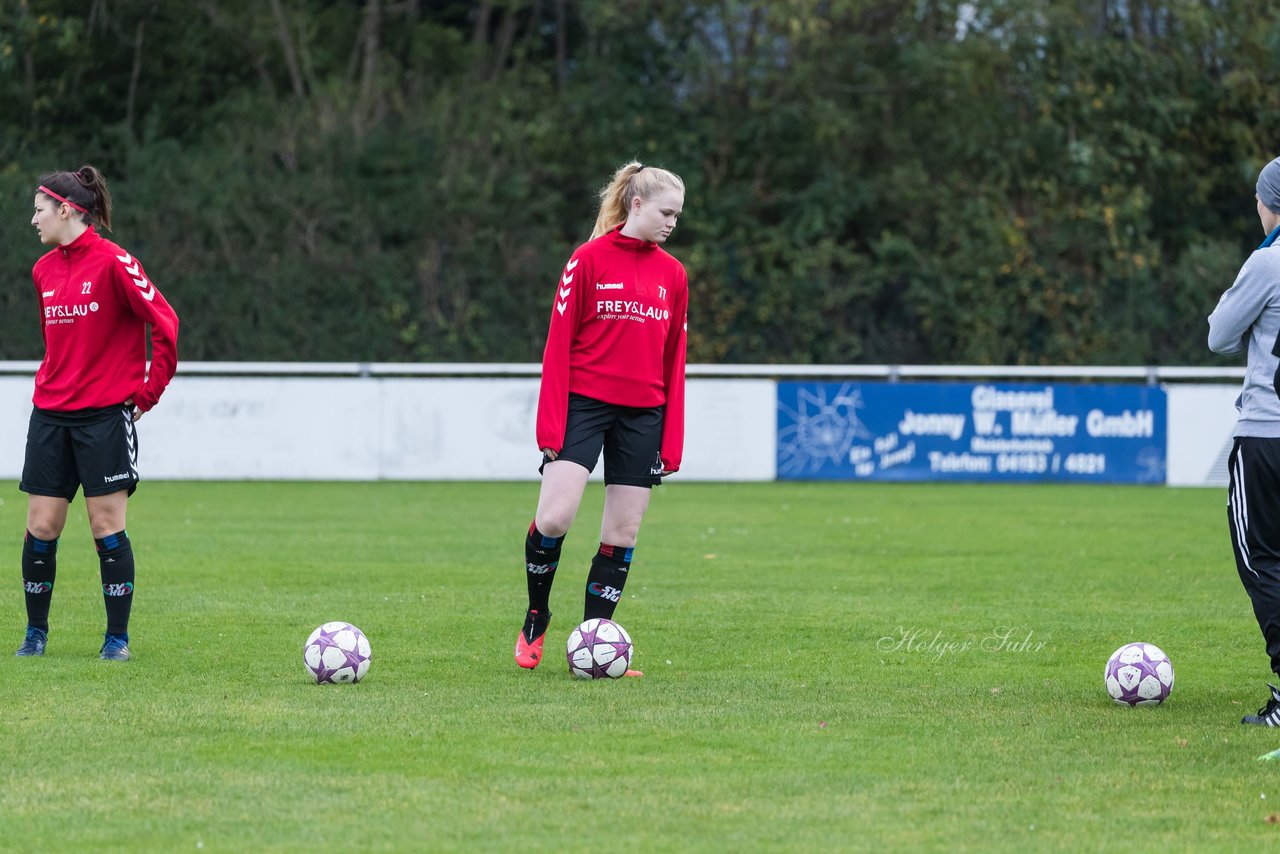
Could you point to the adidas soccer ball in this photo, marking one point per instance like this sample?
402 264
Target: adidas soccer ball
599 649
1139 674
336 652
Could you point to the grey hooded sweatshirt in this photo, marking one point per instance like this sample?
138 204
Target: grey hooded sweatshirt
1248 316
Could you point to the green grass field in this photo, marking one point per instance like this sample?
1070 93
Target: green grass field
780 709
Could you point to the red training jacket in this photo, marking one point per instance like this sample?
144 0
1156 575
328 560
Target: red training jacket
618 327
96 301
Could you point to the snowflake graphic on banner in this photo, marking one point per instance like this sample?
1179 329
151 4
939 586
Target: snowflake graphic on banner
823 429
1151 466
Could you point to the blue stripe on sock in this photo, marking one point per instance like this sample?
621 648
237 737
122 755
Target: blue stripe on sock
40 546
110 541
626 556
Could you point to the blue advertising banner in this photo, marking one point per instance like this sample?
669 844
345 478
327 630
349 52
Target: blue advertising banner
963 431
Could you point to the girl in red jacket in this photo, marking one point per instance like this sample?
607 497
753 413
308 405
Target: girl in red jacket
92 385
612 380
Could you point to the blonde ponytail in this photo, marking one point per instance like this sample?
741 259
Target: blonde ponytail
632 180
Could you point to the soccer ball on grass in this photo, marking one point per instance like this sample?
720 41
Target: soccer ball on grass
1139 674
336 652
599 649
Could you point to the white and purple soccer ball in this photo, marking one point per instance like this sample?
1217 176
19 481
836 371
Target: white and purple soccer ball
1139 674
336 652
599 649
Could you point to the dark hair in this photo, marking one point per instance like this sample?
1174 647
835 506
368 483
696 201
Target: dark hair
85 187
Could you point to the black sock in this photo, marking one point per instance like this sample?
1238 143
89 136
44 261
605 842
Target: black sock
541 557
39 566
605 581
115 555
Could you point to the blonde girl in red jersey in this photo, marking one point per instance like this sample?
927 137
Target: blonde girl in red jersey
612 382
96 302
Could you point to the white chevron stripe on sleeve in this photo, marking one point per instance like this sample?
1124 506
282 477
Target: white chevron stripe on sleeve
134 269
566 278
148 289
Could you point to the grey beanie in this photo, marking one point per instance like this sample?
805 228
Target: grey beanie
1269 185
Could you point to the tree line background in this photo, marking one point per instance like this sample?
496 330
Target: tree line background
901 181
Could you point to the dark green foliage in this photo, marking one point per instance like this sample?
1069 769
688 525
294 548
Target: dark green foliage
868 181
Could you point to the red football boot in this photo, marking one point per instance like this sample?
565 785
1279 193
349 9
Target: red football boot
529 640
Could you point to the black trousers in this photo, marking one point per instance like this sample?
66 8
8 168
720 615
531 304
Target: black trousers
1253 515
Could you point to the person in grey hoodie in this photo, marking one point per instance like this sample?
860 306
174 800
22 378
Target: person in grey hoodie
1248 319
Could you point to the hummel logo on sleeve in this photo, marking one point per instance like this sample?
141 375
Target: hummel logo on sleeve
135 273
566 279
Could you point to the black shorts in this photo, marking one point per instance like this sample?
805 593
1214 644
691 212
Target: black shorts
631 438
93 448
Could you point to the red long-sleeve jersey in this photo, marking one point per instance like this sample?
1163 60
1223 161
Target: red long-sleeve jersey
96 302
618 326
